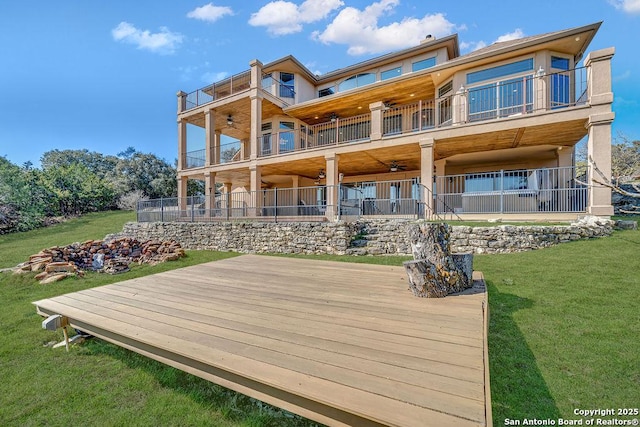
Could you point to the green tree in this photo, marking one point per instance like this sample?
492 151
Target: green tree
74 190
146 172
98 163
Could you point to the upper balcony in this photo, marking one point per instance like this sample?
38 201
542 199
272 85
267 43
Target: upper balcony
508 99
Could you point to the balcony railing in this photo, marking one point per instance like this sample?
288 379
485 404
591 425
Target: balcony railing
339 131
514 191
523 191
229 152
511 98
222 89
278 88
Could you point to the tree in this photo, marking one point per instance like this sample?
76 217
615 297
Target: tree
101 165
146 172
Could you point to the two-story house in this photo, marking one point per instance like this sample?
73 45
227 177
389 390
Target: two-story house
416 133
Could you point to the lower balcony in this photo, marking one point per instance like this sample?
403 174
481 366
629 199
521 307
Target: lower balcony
512 192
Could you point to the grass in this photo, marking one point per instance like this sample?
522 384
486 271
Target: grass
563 335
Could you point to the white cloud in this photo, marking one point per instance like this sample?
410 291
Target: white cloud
516 34
622 76
360 30
629 6
212 76
284 17
472 46
164 41
209 12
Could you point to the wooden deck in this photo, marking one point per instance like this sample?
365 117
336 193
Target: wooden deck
339 343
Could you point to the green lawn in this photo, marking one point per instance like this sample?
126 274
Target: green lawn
563 335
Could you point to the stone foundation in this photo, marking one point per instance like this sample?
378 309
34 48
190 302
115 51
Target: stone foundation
364 237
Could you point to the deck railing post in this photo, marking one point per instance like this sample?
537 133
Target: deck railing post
275 202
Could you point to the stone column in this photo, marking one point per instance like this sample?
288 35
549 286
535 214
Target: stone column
209 138
377 120
182 101
255 182
598 65
210 192
182 194
599 150
426 174
216 147
182 145
256 107
332 185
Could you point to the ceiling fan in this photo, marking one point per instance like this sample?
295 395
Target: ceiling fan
395 166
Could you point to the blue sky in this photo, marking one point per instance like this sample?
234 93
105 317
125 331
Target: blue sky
103 75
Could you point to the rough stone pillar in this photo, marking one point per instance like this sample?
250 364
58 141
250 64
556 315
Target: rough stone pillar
209 138
377 109
332 185
599 150
210 192
426 174
182 145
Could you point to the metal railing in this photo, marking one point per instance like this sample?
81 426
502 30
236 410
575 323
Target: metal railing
512 191
221 89
339 131
194 159
509 98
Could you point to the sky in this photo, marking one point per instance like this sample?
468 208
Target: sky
103 75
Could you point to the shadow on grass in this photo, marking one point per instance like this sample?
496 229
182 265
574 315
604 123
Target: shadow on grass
233 406
518 390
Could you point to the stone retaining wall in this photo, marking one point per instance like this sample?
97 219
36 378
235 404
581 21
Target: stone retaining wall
375 237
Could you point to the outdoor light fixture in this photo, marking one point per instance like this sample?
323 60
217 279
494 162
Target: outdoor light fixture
229 120
540 72
393 168
334 117
321 174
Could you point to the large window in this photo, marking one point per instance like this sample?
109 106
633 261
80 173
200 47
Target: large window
500 71
287 85
267 81
503 97
389 74
357 81
287 137
425 63
265 140
560 81
496 181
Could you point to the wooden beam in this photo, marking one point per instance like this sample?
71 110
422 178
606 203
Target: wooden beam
518 137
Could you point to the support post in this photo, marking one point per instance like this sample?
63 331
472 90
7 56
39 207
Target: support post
377 109
255 182
209 193
182 195
426 174
209 138
182 145
332 185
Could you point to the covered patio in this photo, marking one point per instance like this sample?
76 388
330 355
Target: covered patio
339 343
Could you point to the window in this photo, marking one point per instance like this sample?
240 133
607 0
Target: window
445 89
560 86
559 63
501 99
389 74
425 63
496 181
357 81
326 92
286 137
265 140
287 85
500 71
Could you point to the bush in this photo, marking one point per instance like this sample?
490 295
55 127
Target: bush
129 201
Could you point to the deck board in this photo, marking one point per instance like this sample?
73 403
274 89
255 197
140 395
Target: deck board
341 343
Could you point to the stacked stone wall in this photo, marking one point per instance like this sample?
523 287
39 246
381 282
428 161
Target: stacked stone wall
364 237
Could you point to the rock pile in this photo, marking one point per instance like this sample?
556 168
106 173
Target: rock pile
112 257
